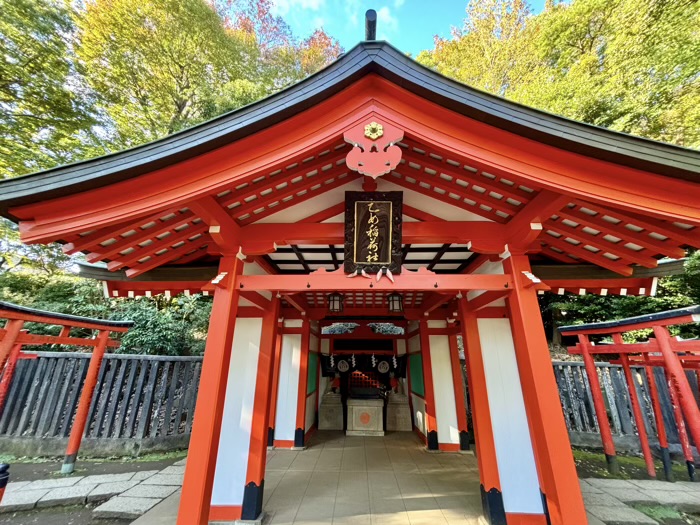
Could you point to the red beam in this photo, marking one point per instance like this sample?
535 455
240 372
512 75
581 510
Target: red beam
141 252
158 260
619 230
122 243
398 177
620 266
326 214
45 319
321 280
93 240
482 234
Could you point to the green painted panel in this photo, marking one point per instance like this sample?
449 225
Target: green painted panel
312 381
415 363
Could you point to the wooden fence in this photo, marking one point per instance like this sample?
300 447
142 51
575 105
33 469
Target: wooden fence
140 402
577 403
147 403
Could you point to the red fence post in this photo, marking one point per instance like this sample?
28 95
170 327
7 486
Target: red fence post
8 373
660 425
12 329
599 405
682 432
81 415
677 376
637 411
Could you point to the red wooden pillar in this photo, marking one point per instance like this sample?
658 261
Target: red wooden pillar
682 431
255 477
300 431
274 386
637 411
676 375
550 438
204 441
430 417
660 425
458 384
12 329
81 415
491 495
8 373
599 406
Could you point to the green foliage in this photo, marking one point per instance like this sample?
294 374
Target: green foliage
174 326
630 65
45 112
163 65
672 292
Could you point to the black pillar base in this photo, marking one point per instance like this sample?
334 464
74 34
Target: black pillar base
433 440
252 500
545 508
464 440
299 438
691 470
666 462
613 466
492 503
270 437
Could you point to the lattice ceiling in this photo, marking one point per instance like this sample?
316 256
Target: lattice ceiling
581 232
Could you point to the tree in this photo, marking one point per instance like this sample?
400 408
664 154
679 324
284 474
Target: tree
163 65
490 51
630 65
282 58
46 112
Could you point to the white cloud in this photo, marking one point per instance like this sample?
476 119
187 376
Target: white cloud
386 23
352 12
398 3
283 7
319 22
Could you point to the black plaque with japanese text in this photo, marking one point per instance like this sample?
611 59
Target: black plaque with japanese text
373 231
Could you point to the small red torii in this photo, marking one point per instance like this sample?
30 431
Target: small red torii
674 355
13 337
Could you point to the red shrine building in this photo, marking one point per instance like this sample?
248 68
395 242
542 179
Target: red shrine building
374 192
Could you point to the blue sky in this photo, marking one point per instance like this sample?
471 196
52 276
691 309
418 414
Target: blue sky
409 25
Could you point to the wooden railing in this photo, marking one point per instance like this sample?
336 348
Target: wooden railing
147 402
577 403
139 398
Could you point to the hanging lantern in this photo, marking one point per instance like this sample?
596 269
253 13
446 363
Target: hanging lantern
335 302
395 303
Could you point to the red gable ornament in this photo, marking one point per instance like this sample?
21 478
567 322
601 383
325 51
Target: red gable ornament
375 152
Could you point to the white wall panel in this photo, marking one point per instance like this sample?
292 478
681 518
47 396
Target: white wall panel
419 412
489 267
443 390
325 346
234 442
516 461
288 387
400 346
414 344
310 411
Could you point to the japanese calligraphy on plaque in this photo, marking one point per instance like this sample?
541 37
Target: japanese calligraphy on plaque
373 231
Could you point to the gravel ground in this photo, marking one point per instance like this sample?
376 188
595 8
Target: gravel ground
57 516
50 469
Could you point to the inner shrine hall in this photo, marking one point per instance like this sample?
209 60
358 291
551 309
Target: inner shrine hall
352 229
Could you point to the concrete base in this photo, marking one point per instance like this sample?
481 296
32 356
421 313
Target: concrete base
365 417
257 521
398 414
330 413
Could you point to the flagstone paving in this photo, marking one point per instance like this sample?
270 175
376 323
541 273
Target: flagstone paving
339 480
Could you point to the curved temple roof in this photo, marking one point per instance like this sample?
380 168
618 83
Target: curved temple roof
367 57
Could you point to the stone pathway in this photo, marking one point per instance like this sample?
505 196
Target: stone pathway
127 495
132 494
608 500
